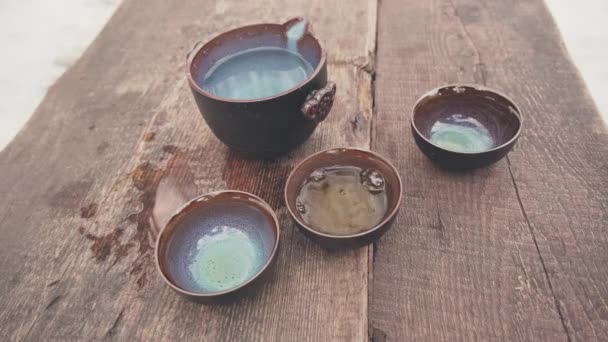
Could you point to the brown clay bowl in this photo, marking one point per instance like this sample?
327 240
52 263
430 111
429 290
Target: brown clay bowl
344 157
216 247
269 126
465 126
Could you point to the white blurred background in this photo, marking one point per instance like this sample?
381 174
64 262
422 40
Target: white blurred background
40 39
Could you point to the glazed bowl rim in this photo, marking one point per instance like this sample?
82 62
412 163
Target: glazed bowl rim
517 113
209 197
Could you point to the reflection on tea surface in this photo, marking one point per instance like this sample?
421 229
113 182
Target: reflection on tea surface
256 73
461 133
343 200
225 258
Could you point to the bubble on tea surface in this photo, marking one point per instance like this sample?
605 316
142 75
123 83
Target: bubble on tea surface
300 206
318 175
373 180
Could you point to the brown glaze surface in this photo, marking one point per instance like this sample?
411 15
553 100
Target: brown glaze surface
269 126
225 215
483 124
344 157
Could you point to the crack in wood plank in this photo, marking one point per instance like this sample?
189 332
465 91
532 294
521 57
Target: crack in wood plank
540 256
370 69
53 302
112 331
373 52
48 306
478 64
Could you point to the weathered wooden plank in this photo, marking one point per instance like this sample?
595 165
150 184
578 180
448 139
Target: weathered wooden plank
118 144
517 251
560 166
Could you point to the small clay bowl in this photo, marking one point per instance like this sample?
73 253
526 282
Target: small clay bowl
344 157
218 246
465 126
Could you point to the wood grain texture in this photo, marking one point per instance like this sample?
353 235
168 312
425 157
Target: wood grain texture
516 251
118 144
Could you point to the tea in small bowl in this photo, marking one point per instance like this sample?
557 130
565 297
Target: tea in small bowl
343 199
343 196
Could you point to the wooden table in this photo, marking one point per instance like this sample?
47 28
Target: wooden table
515 251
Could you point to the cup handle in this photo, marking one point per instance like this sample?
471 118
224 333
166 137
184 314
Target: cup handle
196 46
319 102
